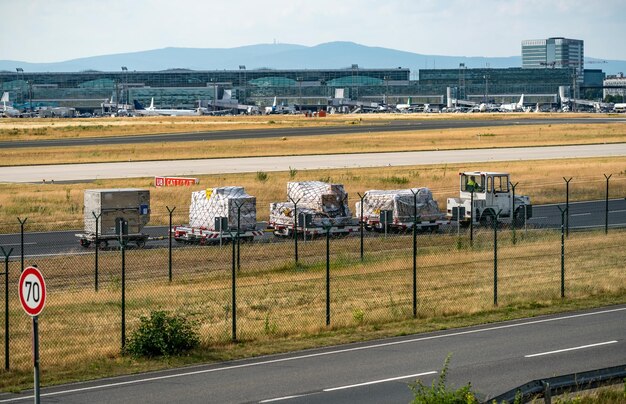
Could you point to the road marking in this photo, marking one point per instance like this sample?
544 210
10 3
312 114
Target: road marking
16 244
617 211
271 400
580 214
380 381
538 217
570 349
313 355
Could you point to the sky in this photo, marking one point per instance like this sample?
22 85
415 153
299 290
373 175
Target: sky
58 30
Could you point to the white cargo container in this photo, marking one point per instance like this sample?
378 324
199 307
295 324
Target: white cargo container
104 209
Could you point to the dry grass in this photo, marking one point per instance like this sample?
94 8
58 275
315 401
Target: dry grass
276 299
474 138
34 129
59 206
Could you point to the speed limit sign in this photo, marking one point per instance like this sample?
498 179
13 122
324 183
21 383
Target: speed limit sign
32 291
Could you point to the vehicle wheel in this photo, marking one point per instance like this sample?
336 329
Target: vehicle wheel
85 243
141 243
103 244
487 219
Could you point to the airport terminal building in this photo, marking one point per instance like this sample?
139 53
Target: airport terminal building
312 89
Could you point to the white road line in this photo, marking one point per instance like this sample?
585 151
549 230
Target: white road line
538 217
570 349
580 214
617 211
380 381
16 244
271 400
313 355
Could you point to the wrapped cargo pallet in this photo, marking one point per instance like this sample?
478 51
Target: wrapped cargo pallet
321 199
209 204
400 202
282 213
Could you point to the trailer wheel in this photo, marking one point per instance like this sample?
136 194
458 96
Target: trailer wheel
85 243
141 243
102 244
487 218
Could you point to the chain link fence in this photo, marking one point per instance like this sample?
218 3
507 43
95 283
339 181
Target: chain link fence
260 290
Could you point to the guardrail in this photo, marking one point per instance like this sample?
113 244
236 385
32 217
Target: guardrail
562 384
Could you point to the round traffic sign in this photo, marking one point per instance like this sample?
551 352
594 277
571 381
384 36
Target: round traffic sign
32 290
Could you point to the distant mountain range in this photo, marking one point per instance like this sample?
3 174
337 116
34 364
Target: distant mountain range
279 56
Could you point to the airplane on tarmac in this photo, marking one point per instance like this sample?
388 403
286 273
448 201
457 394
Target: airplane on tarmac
152 111
280 109
514 106
408 107
8 110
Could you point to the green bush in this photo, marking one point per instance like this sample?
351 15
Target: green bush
261 176
438 393
162 334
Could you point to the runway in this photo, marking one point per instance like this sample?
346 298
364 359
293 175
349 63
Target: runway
93 171
371 126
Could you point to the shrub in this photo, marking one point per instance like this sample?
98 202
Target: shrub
261 176
439 393
162 334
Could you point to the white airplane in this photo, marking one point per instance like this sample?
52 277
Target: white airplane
152 111
514 106
8 110
279 109
405 107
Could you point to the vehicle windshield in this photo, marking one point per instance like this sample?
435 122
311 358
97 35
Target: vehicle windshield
471 183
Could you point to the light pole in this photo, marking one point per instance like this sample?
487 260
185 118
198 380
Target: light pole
125 70
19 70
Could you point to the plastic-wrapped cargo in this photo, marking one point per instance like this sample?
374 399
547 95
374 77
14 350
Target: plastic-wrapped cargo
400 201
326 203
208 204
131 204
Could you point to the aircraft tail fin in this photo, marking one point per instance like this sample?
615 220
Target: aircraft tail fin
5 97
137 104
520 104
274 104
151 103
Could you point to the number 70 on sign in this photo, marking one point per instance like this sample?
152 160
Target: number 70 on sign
32 291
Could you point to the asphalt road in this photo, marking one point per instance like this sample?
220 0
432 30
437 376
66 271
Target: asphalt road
379 126
91 171
494 358
583 215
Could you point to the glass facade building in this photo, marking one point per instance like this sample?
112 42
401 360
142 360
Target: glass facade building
552 52
180 88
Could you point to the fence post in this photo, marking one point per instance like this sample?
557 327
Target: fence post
97 217
295 228
234 288
239 205
6 306
513 218
169 232
327 228
362 224
472 218
495 258
22 222
563 215
414 253
123 243
567 180
606 207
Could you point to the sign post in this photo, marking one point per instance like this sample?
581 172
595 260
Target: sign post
32 292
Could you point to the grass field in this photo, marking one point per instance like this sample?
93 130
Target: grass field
34 129
474 138
279 301
60 206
